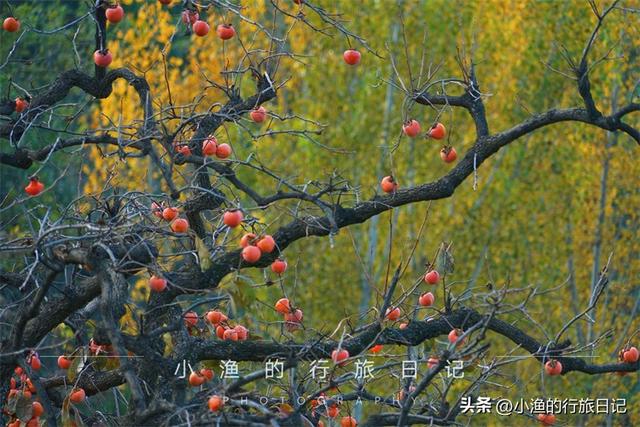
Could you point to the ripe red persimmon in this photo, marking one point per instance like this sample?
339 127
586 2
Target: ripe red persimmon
448 154
114 14
232 218
339 356
200 28
290 325
376 348
432 362
11 24
351 57
215 403
156 209
64 363
196 380
225 31
293 318
34 187
432 277
77 395
210 146
30 386
157 284
95 348
190 318
35 363
454 335
220 331
283 306
333 411
411 128
401 394
631 355
223 151
546 419
553 367
184 150
207 373
388 184
247 239
242 332
215 317
279 266
180 225
230 335
426 299
21 105
251 254
437 131
392 314
37 409
266 244
102 58
190 16
169 214
258 114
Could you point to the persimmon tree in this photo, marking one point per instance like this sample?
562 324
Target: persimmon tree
203 221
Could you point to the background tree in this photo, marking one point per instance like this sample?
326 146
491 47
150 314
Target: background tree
532 228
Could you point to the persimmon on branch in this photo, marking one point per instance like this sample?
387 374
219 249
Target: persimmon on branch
80 266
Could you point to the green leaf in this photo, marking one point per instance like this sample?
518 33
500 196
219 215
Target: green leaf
243 296
76 364
112 363
444 264
428 347
99 362
204 256
78 419
64 414
11 404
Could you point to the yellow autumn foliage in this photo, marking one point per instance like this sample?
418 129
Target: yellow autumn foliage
533 219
